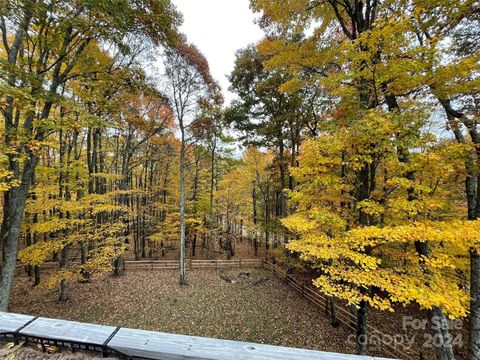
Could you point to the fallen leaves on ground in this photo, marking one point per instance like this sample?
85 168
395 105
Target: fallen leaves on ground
268 312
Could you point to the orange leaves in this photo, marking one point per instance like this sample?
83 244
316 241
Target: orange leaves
196 59
148 113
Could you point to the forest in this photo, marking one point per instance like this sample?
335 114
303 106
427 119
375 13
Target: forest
350 154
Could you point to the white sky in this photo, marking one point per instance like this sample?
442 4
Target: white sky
219 28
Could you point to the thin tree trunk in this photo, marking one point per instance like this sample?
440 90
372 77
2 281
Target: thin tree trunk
182 207
266 222
212 186
282 199
254 208
472 181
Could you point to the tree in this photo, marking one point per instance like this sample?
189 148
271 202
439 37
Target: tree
265 115
207 129
455 86
41 43
362 54
237 196
189 81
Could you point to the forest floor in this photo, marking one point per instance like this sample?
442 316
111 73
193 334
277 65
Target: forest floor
259 309
20 352
220 304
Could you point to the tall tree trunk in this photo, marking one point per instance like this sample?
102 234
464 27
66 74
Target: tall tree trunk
119 264
254 206
266 222
211 240
61 195
194 198
182 207
283 171
472 181
90 162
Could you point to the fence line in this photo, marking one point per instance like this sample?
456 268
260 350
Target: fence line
193 264
174 264
343 315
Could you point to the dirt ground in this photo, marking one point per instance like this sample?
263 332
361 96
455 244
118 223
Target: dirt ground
20 352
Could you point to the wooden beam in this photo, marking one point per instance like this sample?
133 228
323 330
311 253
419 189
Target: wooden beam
10 323
68 331
164 346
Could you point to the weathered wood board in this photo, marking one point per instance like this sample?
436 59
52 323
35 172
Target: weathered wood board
11 322
68 330
156 345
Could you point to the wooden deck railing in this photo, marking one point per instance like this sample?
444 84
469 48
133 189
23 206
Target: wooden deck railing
131 343
343 315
